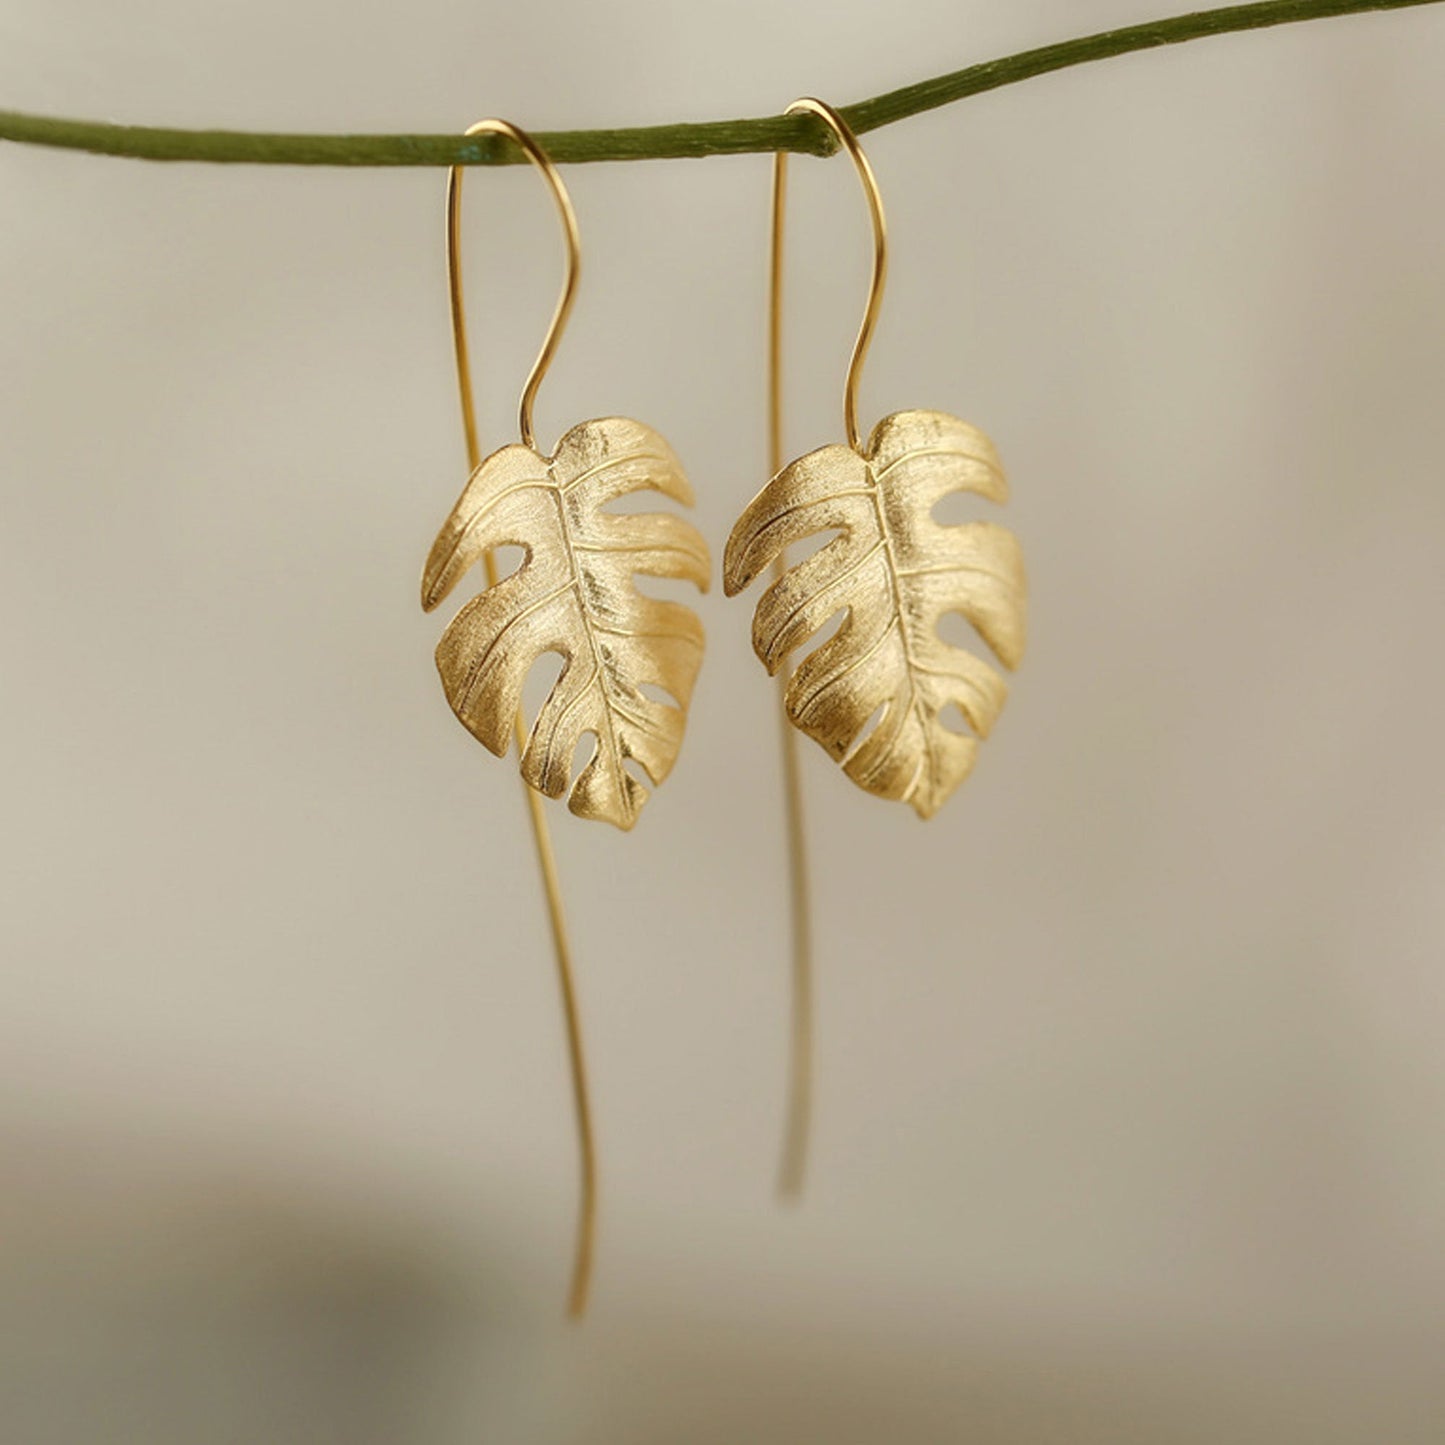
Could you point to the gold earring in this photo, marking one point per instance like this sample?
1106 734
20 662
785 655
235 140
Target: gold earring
572 595
894 571
875 694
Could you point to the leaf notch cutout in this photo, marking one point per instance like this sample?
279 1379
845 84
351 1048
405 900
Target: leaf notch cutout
895 572
574 595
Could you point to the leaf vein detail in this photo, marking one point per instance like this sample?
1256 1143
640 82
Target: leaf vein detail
958 452
833 582
477 665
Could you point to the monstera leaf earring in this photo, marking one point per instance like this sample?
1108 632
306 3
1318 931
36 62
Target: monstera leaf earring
879 696
573 595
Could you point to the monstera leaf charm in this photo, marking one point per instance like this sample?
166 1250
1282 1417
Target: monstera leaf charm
574 595
894 571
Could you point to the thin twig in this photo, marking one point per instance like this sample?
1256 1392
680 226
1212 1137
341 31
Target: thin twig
801 133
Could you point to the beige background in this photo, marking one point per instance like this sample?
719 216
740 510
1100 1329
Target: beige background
1131 1070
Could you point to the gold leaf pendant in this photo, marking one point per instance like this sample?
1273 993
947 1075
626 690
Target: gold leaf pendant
894 571
574 595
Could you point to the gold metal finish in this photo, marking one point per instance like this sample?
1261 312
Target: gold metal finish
894 571
541 834
877 694
792 1168
568 218
550 506
574 595
849 142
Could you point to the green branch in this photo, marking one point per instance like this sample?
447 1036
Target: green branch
658 142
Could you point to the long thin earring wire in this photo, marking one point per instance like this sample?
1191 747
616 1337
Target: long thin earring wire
798 1126
546 858
793 1165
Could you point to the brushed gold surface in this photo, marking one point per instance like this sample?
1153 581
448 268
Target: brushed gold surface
574 595
894 571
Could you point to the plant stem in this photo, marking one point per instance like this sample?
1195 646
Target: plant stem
802 133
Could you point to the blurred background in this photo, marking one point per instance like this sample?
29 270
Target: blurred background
1130 1065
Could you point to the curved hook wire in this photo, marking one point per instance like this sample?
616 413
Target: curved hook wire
538 157
798 1120
849 142
541 835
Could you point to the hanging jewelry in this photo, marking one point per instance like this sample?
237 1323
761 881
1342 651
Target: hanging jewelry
878 693
573 595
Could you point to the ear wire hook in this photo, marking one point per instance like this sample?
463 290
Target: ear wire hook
568 217
541 835
844 132
793 1166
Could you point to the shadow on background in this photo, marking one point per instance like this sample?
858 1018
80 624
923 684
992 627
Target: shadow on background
151 1297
